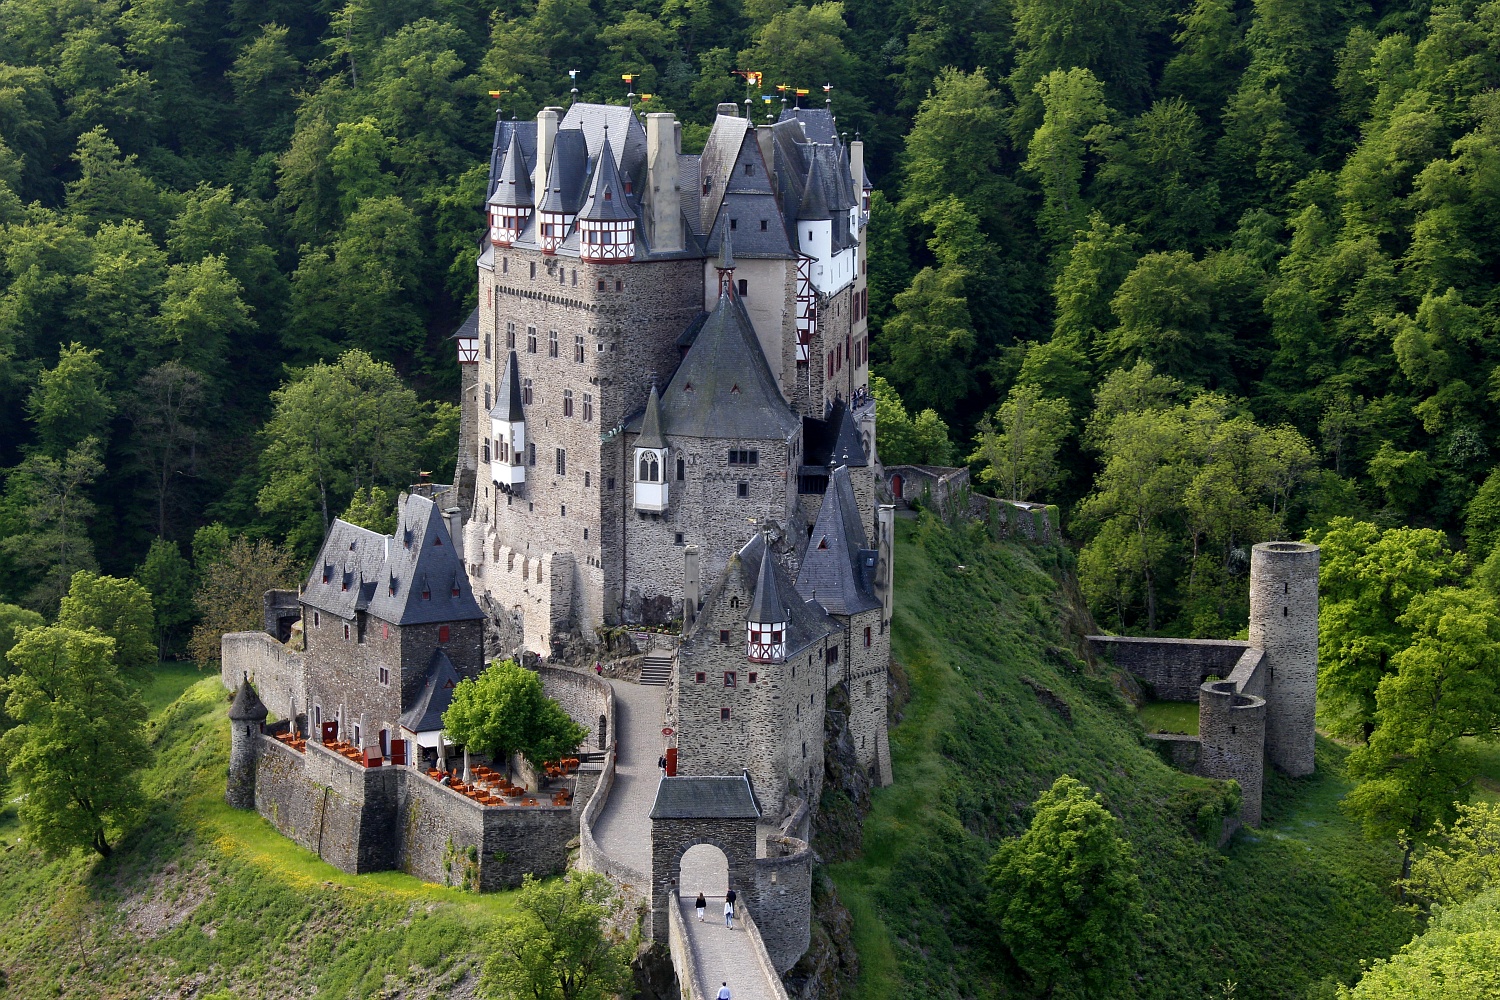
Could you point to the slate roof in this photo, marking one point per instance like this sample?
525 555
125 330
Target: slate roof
817 124
814 203
606 201
750 240
626 134
512 188
525 134
426 713
834 441
507 408
717 797
363 570
567 177
724 388
468 329
651 423
247 705
767 605
838 567
807 623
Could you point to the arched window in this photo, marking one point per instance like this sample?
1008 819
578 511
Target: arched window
650 469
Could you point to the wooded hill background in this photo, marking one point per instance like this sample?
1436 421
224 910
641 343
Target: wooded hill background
1289 209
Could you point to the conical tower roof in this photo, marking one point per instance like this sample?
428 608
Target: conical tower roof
606 201
513 188
651 423
768 605
814 202
726 252
507 408
247 705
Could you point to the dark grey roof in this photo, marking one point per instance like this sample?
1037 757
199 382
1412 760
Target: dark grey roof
814 203
567 178
750 240
726 252
716 163
846 446
833 570
767 605
817 124
807 623
724 388
690 332
626 134
363 570
687 170
247 705
426 713
507 408
606 201
512 189
525 134
704 798
469 328
651 423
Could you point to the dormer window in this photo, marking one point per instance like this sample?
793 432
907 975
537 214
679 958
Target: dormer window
609 195
649 469
650 479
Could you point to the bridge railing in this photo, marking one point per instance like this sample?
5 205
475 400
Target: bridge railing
762 957
688 977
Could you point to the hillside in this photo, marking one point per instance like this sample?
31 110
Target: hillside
206 901
983 631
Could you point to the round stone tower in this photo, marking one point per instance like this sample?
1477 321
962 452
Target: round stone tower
1284 626
1231 742
246 716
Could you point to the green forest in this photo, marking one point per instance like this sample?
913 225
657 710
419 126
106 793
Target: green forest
1202 273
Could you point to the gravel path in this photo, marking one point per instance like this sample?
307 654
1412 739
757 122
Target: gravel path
623 830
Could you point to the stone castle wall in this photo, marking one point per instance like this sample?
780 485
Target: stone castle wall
866 669
1231 736
783 907
278 673
1174 668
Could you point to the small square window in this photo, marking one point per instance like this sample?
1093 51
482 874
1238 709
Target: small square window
734 224
723 637
867 637
729 678
601 284
762 225
743 490
443 633
677 539
744 288
619 285
385 676
552 343
700 677
723 715
753 675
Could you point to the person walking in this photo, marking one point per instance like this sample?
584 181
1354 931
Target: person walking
661 763
701 904
724 992
728 914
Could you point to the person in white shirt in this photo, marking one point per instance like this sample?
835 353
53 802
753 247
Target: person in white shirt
724 992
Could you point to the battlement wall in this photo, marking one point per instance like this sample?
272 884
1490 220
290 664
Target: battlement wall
278 673
1174 668
783 887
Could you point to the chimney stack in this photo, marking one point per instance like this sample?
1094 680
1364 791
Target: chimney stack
857 169
663 205
454 518
885 534
546 131
690 587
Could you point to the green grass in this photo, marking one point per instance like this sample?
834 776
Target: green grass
1169 717
210 898
168 681
1487 787
1303 898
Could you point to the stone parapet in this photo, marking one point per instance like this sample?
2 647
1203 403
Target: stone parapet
1174 668
773 985
277 672
783 887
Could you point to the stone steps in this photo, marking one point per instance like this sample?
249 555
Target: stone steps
656 670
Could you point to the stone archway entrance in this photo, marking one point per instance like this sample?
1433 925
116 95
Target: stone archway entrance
695 822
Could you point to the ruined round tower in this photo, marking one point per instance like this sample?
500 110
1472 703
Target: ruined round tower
1284 626
246 716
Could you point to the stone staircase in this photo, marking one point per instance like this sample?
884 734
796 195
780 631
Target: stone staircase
656 669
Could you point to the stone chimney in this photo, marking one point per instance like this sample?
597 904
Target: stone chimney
663 205
546 131
690 587
857 168
455 520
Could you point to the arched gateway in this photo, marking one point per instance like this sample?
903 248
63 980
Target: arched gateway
720 811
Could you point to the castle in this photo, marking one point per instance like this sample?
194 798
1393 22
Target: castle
1256 699
666 432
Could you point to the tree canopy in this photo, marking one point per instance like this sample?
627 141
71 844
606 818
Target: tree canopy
505 711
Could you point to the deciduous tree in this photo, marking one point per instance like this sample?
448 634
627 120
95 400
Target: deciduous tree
505 711
559 945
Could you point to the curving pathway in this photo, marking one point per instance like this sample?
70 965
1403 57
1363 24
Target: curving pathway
623 829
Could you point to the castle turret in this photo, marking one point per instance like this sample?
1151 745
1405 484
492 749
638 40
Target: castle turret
246 716
766 624
511 203
651 460
1284 626
508 431
1231 741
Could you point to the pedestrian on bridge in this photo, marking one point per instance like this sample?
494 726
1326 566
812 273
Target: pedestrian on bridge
728 914
701 904
724 992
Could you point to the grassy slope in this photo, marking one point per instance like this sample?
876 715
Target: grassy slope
213 898
1303 898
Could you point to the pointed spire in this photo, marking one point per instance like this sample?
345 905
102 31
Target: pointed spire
651 423
606 201
814 202
768 605
247 705
726 252
513 189
507 406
